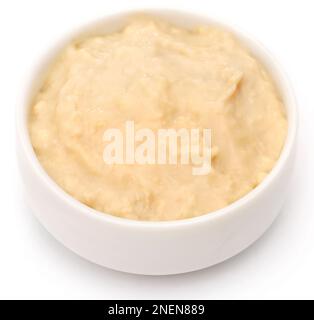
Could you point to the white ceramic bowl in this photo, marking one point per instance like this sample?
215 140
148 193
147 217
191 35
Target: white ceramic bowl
157 248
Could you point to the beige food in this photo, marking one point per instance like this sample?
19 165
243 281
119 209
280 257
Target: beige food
159 76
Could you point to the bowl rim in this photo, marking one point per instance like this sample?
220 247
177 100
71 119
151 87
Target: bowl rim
268 60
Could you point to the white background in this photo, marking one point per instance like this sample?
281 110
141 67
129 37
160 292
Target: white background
279 266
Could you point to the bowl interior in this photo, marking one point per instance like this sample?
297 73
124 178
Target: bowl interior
182 19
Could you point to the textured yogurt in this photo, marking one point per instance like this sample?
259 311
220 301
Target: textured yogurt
159 76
